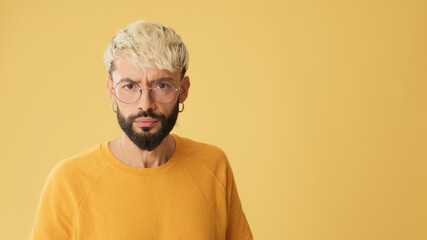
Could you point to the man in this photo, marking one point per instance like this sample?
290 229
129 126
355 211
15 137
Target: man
146 184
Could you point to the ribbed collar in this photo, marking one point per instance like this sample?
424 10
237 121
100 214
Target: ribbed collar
108 155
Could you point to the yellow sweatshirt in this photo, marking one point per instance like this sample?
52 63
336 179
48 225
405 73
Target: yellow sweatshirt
96 196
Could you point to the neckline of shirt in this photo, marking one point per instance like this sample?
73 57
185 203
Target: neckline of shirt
109 156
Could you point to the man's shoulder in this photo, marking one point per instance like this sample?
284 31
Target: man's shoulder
82 165
199 148
70 179
204 154
84 159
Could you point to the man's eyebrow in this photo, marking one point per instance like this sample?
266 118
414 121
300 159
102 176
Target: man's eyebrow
150 81
162 79
127 79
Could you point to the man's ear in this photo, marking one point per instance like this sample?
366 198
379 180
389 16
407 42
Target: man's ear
185 86
110 85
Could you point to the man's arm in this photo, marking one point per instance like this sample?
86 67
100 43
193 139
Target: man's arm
57 208
238 227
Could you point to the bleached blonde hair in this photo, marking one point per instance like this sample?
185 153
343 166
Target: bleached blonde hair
151 45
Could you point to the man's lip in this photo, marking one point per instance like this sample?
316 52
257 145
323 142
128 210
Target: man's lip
145 122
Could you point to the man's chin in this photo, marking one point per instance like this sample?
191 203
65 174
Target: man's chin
145 130
150 129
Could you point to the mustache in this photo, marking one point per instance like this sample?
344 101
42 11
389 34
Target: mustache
148 113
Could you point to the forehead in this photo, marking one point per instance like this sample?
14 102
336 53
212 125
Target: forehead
124 68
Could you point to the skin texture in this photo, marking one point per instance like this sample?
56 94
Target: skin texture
123 148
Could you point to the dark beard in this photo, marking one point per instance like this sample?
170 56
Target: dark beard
148 141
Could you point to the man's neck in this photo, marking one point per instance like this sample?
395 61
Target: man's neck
128 153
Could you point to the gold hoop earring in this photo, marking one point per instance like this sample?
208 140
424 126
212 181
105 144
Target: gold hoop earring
181 110
114 109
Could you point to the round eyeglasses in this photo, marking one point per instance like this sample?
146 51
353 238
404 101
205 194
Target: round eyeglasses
161 91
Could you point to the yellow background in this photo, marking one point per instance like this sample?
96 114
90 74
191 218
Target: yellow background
319 105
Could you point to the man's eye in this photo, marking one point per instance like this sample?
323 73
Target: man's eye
163 85
129 86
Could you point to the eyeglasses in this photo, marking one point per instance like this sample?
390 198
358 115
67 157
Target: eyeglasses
161 91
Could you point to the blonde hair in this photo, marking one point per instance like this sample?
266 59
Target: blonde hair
151 45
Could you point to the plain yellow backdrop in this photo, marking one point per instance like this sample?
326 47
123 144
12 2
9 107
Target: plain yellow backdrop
319 105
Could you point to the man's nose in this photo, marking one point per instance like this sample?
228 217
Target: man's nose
146 102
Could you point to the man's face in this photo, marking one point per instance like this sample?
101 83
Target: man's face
145 121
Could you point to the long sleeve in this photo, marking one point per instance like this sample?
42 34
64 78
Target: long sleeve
56 212
238 227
